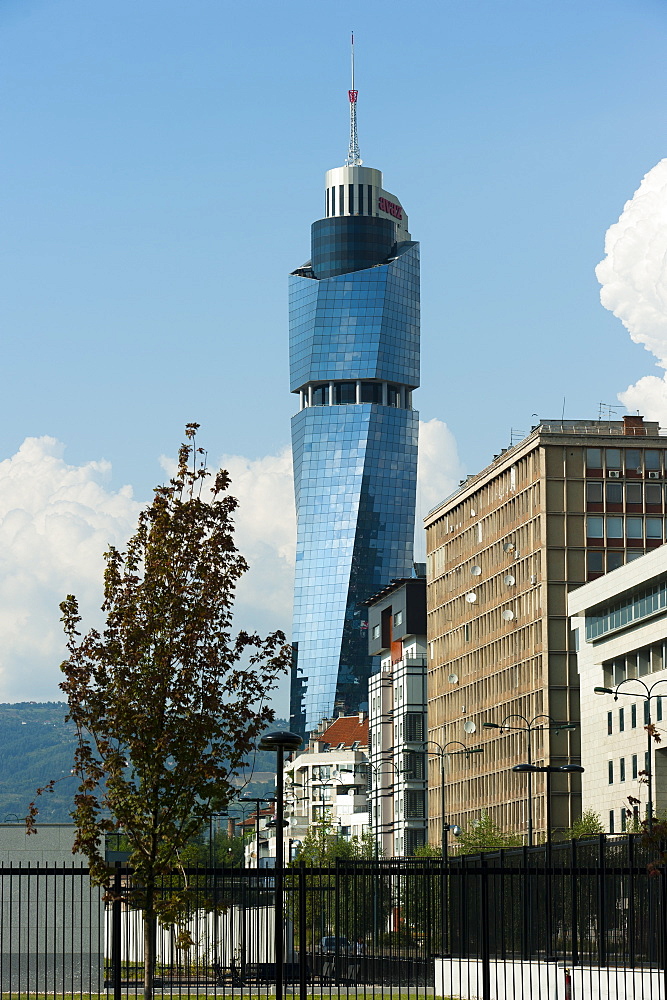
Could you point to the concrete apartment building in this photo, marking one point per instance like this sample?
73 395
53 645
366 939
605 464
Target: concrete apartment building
621 623
325 786
397 716
571 501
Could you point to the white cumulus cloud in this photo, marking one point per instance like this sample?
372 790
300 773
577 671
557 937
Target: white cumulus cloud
56 521
439 471
633 277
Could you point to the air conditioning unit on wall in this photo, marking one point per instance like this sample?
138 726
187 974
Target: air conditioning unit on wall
613 473
654 475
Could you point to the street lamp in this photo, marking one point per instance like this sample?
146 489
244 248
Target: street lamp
549 769
648 727
442 752
281 742
529 728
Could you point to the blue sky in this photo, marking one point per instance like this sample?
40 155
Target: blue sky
163 162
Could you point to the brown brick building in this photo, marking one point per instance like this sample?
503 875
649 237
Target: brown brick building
571 501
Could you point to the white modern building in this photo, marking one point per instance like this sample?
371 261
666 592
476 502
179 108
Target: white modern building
326 784
620 621
397 717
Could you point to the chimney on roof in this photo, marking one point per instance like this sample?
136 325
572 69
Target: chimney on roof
362 716
633 426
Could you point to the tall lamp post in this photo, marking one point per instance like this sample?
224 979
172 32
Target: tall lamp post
281 742
535 725
646 698
442 752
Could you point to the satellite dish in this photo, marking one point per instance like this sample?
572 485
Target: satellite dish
469 726
510 580
471 597
508 615
508 547
453 678
476 570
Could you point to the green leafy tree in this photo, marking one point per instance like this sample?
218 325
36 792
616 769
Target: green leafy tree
485 835
165 701
589 824
348 905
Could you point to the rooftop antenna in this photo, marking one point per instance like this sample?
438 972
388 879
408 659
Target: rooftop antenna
353 156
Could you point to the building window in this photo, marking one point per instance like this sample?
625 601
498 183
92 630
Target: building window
647 712
350 195
611 821
361 199
652 460
333 200
634 527
614 493
614 527
614 560
393 395
633 716
398 618
647 762
320 395
621 720
633 492
371 392
595 527
634 765
610 724
653 494
341 196
376 631
654 527
594 492
613 458
623 820
621 769
611 772
594 458
595 562
345 392
414 727
658 706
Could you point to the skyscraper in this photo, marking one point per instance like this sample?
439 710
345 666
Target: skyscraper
354 361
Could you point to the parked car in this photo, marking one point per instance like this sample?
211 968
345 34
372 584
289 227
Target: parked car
334 945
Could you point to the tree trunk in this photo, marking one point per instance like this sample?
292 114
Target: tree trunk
149 945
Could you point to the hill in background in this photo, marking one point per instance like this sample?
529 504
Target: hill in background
37 746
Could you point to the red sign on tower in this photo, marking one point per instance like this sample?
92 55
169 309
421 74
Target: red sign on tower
352 94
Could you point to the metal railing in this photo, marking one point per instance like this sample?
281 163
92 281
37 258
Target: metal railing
576 920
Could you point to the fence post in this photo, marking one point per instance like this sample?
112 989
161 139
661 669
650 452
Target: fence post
116 947
574 909
484 931
663 927
303 951
602 902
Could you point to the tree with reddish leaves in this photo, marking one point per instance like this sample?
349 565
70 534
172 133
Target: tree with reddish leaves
167 703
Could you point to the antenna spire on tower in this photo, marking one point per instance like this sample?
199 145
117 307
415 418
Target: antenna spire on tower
353 157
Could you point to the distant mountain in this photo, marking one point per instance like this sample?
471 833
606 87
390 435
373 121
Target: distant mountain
37 746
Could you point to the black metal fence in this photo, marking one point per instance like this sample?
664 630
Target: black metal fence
571 921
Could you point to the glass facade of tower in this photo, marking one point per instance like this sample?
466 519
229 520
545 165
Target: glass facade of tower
354 360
